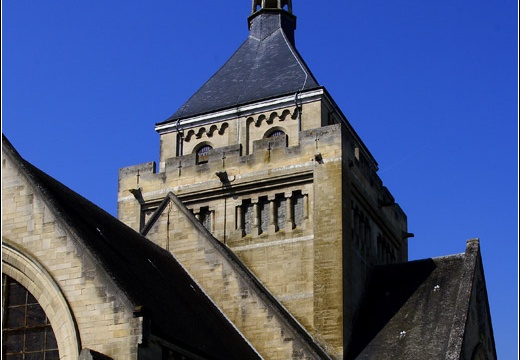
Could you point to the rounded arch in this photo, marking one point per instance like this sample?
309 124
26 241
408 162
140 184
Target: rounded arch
33 277
202 152
202 131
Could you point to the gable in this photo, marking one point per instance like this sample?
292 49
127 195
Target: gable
46 257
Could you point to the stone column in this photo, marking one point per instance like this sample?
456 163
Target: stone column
289 222
212 218
240 226
255 231
305 206
239 218
272 215
305 210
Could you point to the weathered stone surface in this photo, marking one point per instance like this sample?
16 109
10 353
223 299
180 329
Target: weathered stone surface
85 307
317 262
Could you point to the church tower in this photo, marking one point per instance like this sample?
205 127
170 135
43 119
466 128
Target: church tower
270 166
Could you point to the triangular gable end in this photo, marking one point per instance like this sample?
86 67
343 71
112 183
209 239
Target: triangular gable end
229 283
127 266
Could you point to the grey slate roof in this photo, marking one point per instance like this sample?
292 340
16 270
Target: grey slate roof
411 309
266 65
151 277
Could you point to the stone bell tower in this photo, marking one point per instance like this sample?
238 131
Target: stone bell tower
265 159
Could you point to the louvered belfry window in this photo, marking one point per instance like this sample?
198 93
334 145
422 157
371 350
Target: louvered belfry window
203 154
276 133
26 330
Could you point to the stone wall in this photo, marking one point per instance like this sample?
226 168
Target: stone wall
264 323
305 210
85 308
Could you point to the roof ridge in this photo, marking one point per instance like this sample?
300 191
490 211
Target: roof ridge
250 70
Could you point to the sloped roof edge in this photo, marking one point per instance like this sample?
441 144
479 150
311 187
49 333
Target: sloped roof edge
473 270
28 171
463 299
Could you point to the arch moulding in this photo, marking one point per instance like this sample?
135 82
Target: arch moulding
30 274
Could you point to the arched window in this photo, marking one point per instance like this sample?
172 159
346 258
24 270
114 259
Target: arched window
203 154
276 133
27 332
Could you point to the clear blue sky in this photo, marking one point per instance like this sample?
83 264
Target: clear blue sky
430 86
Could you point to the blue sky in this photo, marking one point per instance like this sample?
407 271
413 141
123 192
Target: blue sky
430 86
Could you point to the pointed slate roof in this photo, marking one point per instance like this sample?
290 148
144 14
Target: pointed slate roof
266 65
180 312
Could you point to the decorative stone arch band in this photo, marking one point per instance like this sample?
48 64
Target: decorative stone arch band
31 275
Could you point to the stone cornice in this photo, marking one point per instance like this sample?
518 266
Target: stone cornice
240 111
